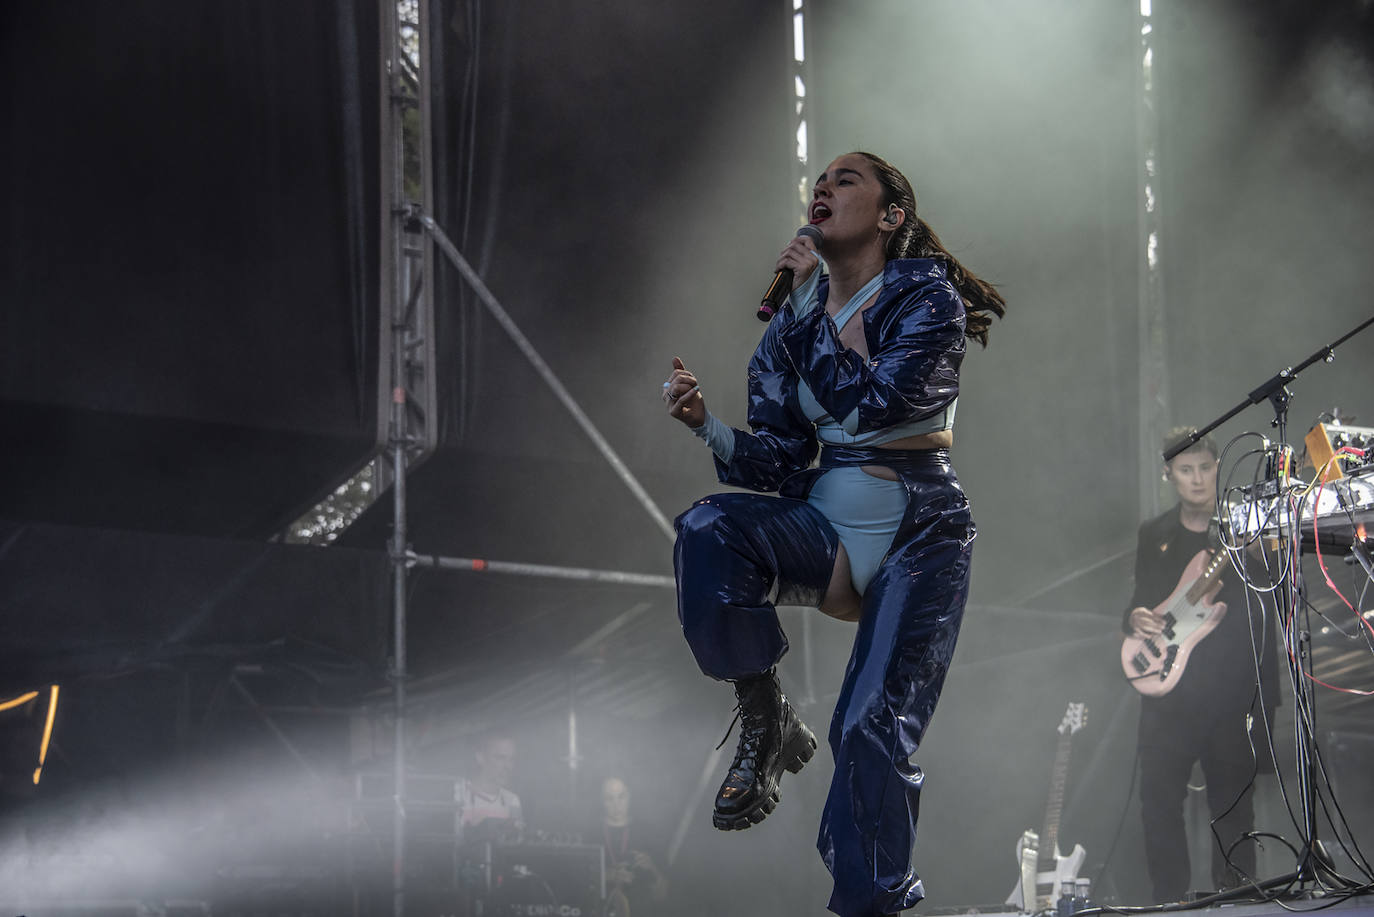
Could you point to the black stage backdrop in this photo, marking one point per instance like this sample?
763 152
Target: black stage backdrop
188 260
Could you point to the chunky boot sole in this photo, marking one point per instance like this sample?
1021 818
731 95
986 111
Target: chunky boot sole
793 757
750 816
800 750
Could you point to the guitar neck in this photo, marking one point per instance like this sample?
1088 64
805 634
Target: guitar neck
1050 847
1210 574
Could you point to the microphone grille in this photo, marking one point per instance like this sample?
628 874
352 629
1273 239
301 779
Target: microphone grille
811 232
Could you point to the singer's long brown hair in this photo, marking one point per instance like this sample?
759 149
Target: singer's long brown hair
915 239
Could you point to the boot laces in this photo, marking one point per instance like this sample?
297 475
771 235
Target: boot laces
753 730
750 736
728 729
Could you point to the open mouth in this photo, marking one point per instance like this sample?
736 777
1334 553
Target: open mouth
819 213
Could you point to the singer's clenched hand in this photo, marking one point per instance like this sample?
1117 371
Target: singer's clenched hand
800 257
682 394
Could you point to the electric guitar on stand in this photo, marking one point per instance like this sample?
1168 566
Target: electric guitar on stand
1155 664
1043 870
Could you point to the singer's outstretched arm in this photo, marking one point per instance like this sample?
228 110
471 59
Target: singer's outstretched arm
782 440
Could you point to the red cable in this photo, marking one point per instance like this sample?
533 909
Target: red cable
1358 617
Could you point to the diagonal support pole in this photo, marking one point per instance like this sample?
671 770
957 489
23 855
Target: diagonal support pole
559 390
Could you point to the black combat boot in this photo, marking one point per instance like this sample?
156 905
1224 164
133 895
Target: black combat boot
771 738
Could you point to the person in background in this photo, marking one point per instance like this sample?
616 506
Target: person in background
487 807
1213 714
634 858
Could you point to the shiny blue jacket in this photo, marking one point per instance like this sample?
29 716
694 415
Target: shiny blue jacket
915 335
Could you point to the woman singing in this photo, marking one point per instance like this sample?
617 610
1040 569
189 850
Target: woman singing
864 362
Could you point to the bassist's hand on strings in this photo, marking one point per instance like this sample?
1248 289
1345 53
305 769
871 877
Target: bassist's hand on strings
1145 623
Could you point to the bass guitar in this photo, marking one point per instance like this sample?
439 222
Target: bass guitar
1155 664
1043 870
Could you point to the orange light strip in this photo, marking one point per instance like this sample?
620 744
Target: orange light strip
47 734
18 701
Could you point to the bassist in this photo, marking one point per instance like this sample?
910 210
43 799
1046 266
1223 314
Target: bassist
1203 717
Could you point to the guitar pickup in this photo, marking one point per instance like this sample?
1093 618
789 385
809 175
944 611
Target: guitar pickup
1169 622
1140 663
1154 650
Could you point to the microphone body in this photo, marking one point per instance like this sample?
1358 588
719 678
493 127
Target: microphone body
782 281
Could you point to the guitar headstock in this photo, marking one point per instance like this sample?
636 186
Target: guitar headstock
1075 718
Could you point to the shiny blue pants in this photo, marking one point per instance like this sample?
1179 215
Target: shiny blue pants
734 549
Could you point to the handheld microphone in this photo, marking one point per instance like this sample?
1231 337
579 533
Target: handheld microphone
782 280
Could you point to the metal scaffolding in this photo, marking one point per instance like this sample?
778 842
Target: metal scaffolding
1152 337
803 111
406 398
407 403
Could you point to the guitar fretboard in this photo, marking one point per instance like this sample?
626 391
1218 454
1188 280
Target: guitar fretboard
1055 806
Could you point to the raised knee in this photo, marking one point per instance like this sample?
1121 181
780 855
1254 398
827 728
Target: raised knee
706 515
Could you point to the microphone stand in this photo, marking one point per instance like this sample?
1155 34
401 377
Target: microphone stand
1314 864
1275 390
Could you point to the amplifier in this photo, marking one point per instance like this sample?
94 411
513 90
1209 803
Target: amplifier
546 880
